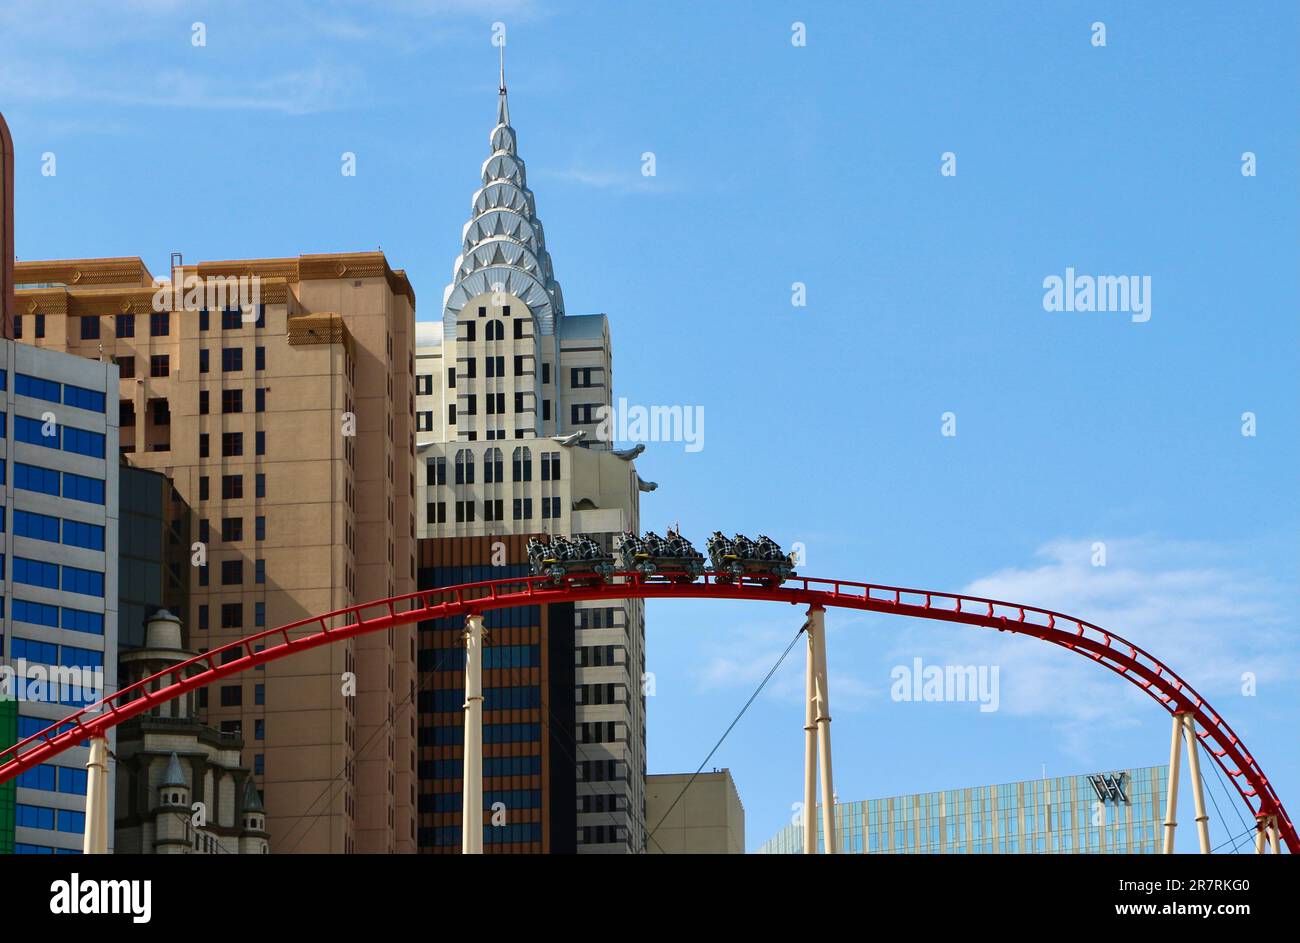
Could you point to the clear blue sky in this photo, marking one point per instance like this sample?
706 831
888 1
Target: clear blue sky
820 164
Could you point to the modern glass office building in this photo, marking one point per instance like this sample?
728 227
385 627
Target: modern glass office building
1116 812
58 564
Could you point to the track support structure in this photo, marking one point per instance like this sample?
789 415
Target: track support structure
1184 732
471 814
817 740
95 838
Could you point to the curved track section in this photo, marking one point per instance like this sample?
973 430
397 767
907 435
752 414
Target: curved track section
1105 648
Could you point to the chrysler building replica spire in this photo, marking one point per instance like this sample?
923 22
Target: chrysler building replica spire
503 246
509 393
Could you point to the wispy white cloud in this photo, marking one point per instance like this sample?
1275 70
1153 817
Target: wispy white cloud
630 181
1185 603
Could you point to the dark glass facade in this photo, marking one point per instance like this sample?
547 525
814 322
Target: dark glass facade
529 787
153 551
8 791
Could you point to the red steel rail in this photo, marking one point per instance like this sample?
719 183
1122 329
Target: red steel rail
1105 648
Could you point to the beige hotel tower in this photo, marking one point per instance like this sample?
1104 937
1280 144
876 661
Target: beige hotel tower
291 439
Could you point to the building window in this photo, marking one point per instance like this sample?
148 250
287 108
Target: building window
232 695
232 359
203 487
203 319
124 325
261 399
464 467
496 331
435 471
159 365
261 527
160 324
232 571
232 615
125 413
232 531
126 367
203 402
90 328
203 445
232 444
451 414
435 512
231 319
259 441
492 510
232 401
546 373
469 332
550 466
492 467
523 509
203 618
203 360
523 463
260 359
259 485
259 571
232 487
546 410
424 421
464 512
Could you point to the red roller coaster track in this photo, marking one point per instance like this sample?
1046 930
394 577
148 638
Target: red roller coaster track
1105 648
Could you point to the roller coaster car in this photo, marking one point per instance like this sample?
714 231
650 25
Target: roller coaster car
579 561
738 559
671 558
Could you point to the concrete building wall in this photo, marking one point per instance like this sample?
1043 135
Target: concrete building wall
702 816
317 499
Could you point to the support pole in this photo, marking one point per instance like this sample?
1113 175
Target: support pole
1171 802
817 628
1261 833
810 748
1198 792
472 804
1274 835
95 837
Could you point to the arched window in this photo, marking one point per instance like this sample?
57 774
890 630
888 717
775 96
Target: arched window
464 467
496 331
523 463
492 469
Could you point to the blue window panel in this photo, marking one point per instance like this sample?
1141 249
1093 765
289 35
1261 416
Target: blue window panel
42 653
72 781
83 442
86 582
259 764
35 478
35 613
43 777
78 534
83 398
22 848
259 615
36 573
31 726
32 431
4 427
70 821
78 620
4 380
81 488
37 388
3 512
36 526
4 471
34 816
70 657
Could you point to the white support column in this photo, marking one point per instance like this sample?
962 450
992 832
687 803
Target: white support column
95 837
1274 835
1198 792
1261 833
472 803
810 749
817 630
1171 800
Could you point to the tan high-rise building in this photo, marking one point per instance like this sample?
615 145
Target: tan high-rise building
288 428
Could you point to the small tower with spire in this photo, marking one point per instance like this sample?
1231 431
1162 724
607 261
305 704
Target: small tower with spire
254 839
172 814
